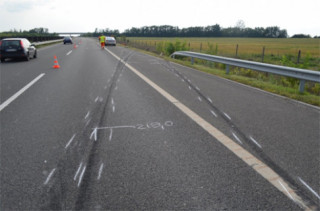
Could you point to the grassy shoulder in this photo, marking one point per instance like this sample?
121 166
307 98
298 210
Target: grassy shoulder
263 84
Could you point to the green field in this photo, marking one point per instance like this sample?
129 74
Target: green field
277 51
250 48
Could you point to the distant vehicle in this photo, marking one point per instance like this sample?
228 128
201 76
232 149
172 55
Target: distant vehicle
17 48
67 40
111 41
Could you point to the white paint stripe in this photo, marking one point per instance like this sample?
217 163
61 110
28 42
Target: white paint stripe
76 175
112 101
198 88
96 100
94 134
254 141
214 114
81 176
87 115
100 171
20 92
312 191
49 177
284 188
113 108
69 53
227 116
199 98
209 99
74 135
237 149
110 135
190 87
236 137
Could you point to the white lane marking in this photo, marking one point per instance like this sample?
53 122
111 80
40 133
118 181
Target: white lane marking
76 175
74 135
209 99
94 134
198 88
266 172
96 100
100 171
236 137
87 123
87 115
82 173
112 101
199 98
49 177
227 116
284 188
254 141
213 113
190 87
113 108
310 189
110 135
20 92
69 53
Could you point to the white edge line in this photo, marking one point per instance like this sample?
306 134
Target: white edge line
49 177
305 184
76 175
82 173
74 135
16 95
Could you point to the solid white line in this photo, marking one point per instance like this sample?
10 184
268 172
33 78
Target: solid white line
214 114
69 53
254 141
100 171
82 173
21 91
110 135
70 141
49 177
227 116
286 190
305 184
76 175
236 137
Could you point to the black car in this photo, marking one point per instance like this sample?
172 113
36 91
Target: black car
17 48
67 40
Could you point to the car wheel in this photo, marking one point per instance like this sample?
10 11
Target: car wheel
27 58
35 54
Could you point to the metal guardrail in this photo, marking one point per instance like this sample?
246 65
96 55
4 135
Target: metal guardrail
47 42
302 74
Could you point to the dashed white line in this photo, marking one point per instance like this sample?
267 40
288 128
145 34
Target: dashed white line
227 116
199 98
110 135
74 135
76 175
113 108
96 100
49 176
87 115
190 87
209 99
112 101
254 141
310 189
20 92
69 53
236 137
213 113
198 88
82 173
100 171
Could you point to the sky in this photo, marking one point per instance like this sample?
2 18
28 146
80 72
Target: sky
296 16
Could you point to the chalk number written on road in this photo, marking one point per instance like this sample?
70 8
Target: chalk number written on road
154 125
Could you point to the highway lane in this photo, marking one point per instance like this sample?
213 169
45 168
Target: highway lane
93 135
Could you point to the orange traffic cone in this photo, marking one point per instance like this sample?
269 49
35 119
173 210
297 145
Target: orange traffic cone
56 64
74 46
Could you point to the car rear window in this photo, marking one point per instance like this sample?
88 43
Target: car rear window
10 44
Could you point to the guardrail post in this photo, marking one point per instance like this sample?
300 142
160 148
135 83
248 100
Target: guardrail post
301 86
227 69
192 60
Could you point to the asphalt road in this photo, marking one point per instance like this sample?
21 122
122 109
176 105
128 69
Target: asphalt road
117 129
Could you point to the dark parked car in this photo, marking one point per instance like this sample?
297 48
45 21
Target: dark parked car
67 40
17 48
